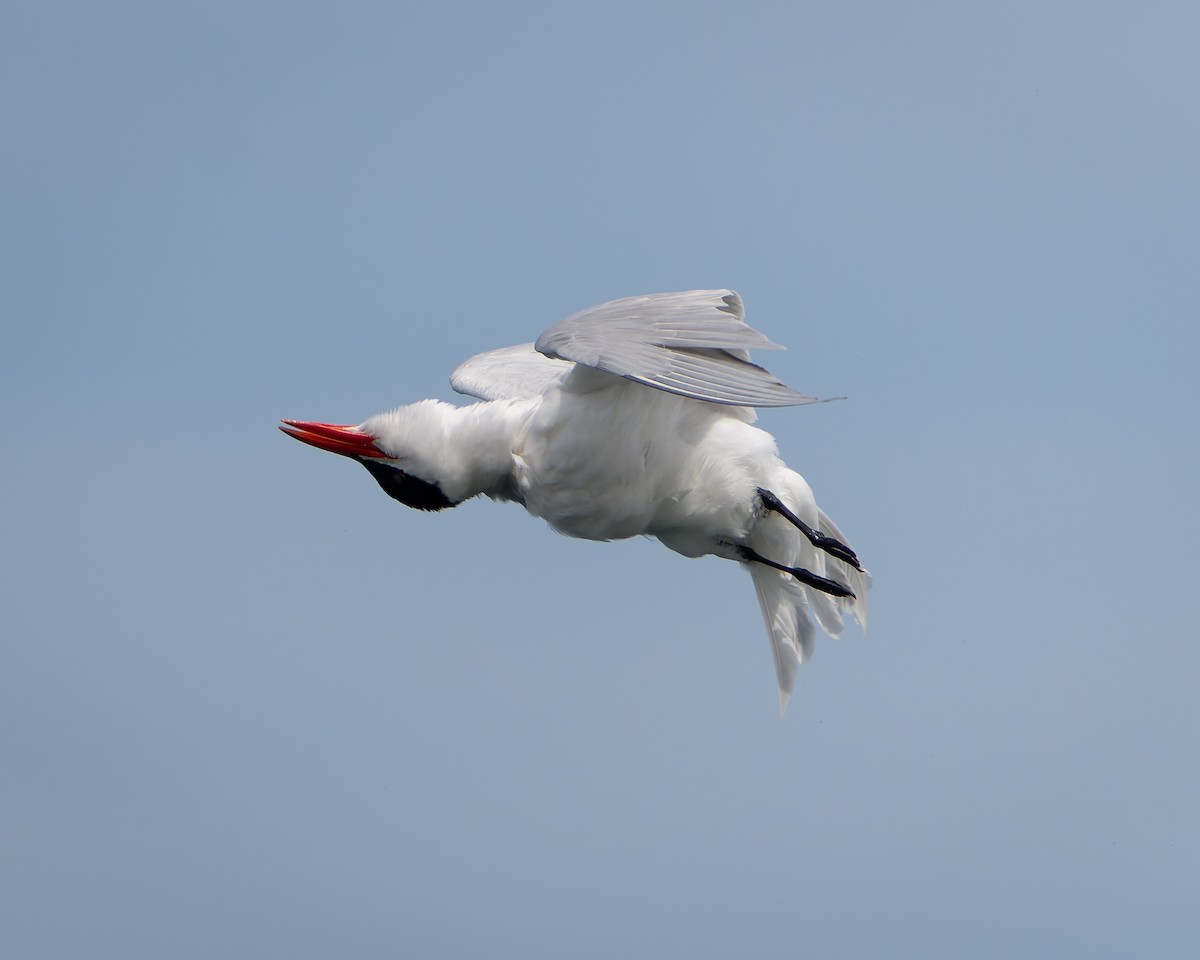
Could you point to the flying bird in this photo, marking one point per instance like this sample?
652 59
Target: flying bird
631 418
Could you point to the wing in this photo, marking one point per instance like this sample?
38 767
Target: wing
510 373
693 343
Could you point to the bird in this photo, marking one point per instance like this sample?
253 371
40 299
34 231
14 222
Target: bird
631 418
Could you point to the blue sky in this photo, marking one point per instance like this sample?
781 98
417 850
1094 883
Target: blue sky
253 708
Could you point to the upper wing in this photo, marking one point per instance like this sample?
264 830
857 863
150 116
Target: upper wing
510 373
692 343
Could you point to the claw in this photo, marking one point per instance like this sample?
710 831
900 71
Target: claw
821 541
807 577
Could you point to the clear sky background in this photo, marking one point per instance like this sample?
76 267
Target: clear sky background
250 707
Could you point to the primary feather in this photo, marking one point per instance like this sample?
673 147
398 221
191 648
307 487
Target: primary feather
693 344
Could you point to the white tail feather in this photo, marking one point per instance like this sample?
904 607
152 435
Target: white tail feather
784 609
787 603
857 580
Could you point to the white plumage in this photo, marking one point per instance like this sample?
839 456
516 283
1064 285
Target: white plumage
632 418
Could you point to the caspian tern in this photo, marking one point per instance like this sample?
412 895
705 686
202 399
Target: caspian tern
631 418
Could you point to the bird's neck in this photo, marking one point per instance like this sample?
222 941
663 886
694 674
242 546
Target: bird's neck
466 451
479 442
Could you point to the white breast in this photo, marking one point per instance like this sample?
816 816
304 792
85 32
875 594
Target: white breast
625 460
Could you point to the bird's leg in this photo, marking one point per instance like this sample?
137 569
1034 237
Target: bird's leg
831 545
824 584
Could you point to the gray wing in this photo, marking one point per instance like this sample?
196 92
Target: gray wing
693 343
510 373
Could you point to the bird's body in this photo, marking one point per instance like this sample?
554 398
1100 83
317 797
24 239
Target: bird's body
640 462
599 453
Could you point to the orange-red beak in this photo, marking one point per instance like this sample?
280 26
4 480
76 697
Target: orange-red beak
347 440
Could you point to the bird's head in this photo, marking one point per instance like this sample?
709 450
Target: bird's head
385 448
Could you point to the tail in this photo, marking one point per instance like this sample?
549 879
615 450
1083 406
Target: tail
788 606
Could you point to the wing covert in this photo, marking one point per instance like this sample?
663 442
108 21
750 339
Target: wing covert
510 373
693 343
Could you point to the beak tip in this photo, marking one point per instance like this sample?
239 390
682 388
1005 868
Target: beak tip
344 439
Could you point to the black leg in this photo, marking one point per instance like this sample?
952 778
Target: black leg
824 584
831 545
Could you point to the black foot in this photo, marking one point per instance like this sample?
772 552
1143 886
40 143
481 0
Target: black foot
824 584
831 545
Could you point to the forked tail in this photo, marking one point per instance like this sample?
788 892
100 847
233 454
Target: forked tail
790 605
